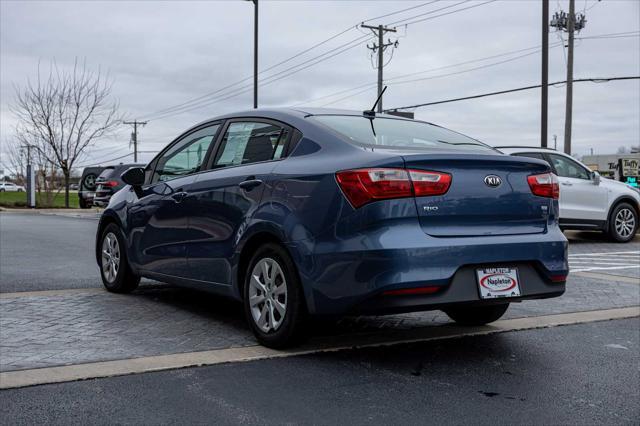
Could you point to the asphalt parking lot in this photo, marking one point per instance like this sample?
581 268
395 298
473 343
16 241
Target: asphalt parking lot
549 361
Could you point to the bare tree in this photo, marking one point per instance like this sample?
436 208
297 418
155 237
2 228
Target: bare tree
15 161
65 113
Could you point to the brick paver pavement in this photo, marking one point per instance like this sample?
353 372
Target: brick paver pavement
78 327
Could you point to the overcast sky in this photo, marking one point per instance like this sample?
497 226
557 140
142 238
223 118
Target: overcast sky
164 53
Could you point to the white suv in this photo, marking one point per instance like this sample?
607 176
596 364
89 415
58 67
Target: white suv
10 187
588 201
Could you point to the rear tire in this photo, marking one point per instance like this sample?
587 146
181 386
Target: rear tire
623 223
117 276
273 298
82 203
476 315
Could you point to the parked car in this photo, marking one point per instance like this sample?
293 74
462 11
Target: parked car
10 187
316 212
588 201
109 182
87 190
74 186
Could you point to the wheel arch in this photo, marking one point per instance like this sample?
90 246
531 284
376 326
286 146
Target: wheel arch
246 250
108 217
623 199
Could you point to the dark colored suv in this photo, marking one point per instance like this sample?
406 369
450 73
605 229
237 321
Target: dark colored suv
109 182
87 189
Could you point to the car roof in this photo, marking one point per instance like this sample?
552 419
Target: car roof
292 114
517 149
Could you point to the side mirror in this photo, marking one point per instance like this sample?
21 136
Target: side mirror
133 176
595 176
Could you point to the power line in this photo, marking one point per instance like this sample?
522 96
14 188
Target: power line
519 89
264 81
428 13
447 13
203 101
242 89
289 59
105 161
390 80
400 11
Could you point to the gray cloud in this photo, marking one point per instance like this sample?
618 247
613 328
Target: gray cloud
162 53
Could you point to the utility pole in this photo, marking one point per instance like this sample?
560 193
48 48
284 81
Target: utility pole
379 31
569 23
555 142
545 74
134 136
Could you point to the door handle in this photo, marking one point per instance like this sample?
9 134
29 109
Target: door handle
249 184
178 196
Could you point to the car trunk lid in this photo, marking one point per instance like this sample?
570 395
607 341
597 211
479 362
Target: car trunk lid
488 195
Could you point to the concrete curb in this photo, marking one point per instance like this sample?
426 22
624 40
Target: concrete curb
40 376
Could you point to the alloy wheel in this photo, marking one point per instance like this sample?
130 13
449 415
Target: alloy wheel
110 257
625 223
268 295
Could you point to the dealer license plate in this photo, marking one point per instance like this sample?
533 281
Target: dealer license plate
498 282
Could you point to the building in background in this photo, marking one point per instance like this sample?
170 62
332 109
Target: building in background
622 167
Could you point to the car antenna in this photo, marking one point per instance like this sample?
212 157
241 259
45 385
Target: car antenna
371 113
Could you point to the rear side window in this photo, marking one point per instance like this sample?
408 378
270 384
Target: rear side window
566 167
398 133
251 142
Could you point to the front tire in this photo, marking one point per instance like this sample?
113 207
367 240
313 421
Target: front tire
117 276
476 315
273 298
623 224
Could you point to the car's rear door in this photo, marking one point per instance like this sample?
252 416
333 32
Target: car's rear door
580 198
159 218
226 196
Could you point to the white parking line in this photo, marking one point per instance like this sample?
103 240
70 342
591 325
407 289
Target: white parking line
39 376
605 268
584 262
637 252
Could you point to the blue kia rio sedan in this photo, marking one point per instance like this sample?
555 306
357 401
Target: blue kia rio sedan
310 212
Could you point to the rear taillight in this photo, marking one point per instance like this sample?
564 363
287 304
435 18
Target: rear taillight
544 185
110 183
363 186
429 183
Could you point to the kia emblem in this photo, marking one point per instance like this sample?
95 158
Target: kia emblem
493 181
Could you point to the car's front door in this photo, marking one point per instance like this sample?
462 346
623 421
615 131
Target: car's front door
580 197
159 218
226 196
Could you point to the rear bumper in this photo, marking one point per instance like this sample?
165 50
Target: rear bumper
350 275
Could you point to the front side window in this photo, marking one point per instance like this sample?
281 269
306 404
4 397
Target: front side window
399 134
251 142
566 167
186 156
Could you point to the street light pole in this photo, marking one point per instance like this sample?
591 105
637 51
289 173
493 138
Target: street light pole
545 74
255 53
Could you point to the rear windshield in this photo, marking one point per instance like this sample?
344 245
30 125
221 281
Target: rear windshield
106 173
398 133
